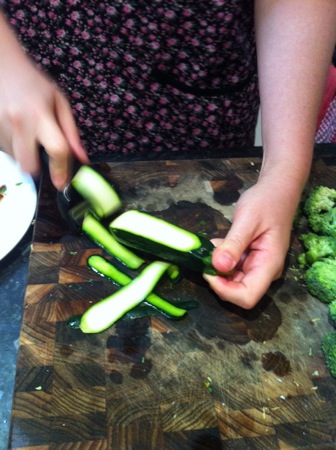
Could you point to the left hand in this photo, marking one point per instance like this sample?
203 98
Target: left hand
255 246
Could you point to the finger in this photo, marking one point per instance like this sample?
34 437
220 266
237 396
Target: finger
247 286
6 145
230 251
24 148
50 136
68 125
6 138
244 291
217 241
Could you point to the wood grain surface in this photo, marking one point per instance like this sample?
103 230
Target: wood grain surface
221 378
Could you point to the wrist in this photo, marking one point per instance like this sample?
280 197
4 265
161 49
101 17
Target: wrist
289 170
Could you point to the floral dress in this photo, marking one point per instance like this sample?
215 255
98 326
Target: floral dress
145 76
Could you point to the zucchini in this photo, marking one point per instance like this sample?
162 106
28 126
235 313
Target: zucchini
103 238
97 191
104 268
106 312
150 234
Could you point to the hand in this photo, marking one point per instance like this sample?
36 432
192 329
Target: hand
33 113
255 246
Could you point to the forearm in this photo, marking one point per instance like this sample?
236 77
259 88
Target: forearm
295 40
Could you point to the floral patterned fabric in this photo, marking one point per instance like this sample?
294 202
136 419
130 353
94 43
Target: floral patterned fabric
148 76
326 122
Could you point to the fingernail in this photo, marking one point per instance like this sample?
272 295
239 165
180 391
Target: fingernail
226 261
60 181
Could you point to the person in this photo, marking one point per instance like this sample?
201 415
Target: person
134 75
326 120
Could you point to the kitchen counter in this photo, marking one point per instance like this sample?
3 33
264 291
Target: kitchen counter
13 281
246 415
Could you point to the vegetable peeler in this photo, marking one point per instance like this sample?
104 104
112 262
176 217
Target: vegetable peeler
88 191
71 204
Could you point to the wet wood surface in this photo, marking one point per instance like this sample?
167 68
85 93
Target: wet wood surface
221 378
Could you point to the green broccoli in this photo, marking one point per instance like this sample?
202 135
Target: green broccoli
324 223
320 279
329 349
320 210
320 257
318 247
332 311
320 200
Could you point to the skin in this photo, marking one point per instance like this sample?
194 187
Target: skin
34 112
295 40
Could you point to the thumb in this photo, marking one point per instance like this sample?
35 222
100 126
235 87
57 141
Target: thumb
233 248
56 146
69 128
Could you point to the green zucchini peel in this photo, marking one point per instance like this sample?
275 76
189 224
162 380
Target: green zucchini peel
101 236
106 312
100 265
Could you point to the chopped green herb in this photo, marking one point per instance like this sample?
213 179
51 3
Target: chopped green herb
3 190
208 384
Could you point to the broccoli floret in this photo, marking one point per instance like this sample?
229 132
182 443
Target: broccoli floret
320 200
320 209
329 349
332 311
324 223
318 247
302 260
320 279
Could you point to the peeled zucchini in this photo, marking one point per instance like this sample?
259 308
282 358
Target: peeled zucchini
155 236
99 193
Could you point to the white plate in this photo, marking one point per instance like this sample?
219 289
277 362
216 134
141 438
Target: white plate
18 206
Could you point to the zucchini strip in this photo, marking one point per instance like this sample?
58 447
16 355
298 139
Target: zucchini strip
103 267
164 240
105 313
103 238
156 230
94 188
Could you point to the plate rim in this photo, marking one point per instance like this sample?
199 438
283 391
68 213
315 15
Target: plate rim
29 212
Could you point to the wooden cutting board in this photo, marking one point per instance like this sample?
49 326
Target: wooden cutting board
221 378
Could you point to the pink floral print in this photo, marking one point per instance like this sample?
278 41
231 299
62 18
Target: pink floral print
148 76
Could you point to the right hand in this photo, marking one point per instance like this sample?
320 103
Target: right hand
34 112
257 242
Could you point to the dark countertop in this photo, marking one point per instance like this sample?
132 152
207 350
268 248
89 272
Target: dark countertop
13 275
